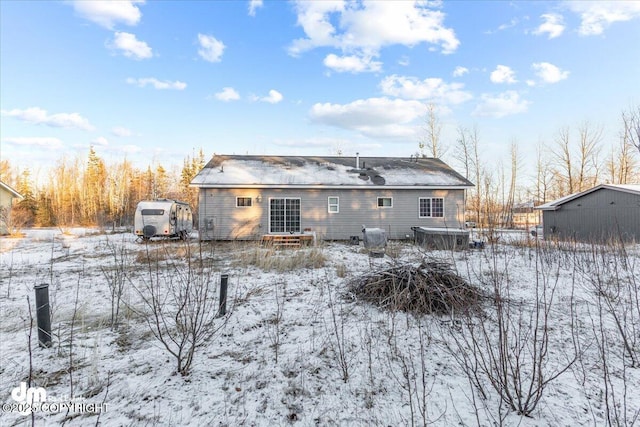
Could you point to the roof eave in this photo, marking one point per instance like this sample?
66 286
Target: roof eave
15 194
336 186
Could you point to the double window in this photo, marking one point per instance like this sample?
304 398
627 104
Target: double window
430 207
385 202
243 202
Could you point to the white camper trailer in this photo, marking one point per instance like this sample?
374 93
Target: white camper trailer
163 218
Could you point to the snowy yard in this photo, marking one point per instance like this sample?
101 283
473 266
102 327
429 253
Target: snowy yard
557 338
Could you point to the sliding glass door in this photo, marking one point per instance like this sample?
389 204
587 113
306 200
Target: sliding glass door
284 215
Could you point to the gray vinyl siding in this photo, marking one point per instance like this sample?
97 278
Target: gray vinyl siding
222 220
596 217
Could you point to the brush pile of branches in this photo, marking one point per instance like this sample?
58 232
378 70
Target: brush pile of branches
431 287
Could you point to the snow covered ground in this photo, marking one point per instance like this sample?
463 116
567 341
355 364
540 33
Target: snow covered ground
296 348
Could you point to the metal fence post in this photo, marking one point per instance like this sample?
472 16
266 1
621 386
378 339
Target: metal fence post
222 309
43 315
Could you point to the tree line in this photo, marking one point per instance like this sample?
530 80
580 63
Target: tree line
574 160
89 192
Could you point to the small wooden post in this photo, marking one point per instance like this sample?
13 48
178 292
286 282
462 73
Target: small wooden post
222 309
43 315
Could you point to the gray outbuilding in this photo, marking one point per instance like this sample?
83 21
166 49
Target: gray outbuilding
600 214
331 198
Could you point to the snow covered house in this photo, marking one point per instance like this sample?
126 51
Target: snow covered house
250 197
595 215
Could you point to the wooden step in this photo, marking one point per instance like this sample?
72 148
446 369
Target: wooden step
287 240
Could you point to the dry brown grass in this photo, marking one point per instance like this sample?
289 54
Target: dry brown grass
161 251
271 259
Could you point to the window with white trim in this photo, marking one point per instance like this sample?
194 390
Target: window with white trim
333 204
243 202
430 207
385 202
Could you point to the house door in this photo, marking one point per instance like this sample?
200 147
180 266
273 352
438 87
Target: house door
284 215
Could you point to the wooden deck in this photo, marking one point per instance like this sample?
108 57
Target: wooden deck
287 240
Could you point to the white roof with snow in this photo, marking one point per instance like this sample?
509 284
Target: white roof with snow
289 171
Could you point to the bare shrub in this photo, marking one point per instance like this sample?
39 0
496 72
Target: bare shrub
116 276
339 334
409 367
180 303
611 276
274 324
508 349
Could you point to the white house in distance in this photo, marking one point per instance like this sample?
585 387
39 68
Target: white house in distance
7 194
250 197
604 212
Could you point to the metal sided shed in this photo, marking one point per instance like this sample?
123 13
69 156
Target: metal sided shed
441 238
596 215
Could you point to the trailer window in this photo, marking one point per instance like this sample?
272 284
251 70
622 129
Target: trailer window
153 212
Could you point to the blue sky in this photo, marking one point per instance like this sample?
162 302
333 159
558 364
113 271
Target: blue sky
156 80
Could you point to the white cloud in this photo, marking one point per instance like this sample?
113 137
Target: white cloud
503 74
553 25
549 73
157 84
121 131
211 49
228 94
131 149
313 142
39 116
351 63
108 13
253 5
374 117
273 98
504 104
130 46
101 140
460 71
511 24
432 89
42 142
596 16
367 26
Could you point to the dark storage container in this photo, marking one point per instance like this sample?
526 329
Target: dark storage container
441 238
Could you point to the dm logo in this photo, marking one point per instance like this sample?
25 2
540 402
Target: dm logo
28 396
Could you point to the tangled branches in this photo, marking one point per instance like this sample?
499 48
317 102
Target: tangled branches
431 287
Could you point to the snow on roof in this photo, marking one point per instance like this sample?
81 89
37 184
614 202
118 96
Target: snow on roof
555 204
228 171
632 188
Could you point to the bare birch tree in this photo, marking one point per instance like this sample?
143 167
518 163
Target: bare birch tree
468 154
430 140
589 150
563 161
631 124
